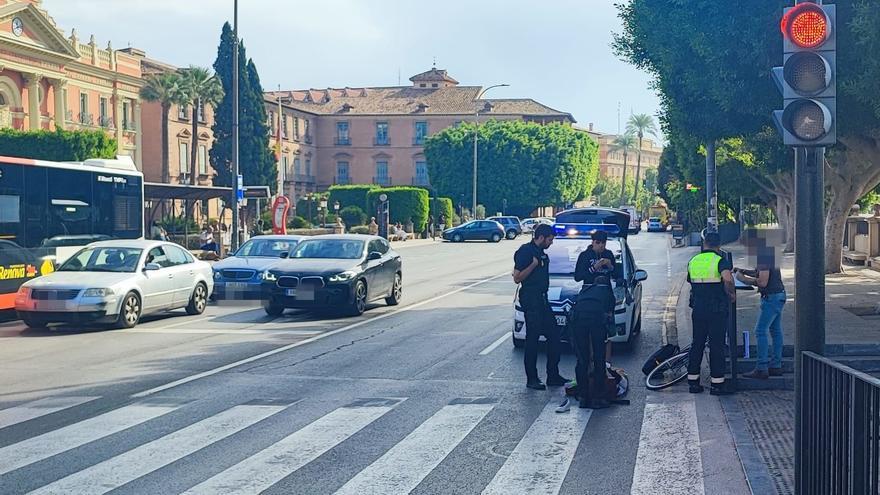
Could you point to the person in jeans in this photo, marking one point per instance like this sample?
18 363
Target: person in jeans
768 279
595 305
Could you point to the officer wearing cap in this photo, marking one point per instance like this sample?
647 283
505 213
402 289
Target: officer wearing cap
531 269
712 292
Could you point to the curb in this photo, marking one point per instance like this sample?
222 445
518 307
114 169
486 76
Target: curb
755 469
669 331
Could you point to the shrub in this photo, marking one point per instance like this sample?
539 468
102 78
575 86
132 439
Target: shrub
481 212
303 205
407 204
353 216
443 206
57 145
298 222
178 225
353 195
360 229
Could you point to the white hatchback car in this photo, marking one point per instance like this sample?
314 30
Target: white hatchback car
117 282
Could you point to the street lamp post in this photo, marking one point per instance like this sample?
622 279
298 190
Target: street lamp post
235 213
323 212
476 134
311 197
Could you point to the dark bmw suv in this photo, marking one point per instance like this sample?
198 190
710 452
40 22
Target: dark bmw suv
512 226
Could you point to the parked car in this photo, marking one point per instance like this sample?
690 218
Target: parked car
341 271
512 226
529 224
239 277
571 240
476 230
655 225
117 282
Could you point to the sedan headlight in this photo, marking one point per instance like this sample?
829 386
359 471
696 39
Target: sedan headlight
98 292
269 276
343 277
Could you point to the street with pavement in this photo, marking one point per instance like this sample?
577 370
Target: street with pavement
427 397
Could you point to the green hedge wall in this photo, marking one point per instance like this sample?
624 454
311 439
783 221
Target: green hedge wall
443 206
353 195
59 146
406 204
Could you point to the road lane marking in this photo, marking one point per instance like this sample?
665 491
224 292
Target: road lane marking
143 460
269 466
37 408
180 323
494 345
294 345
403 467
669 459
540 461
55 442
230 331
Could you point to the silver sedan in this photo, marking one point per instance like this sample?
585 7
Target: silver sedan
117 282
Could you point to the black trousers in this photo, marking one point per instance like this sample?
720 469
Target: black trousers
540 321
588 340
711 325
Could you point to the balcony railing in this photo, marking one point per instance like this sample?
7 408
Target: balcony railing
105 121
301 178
342 141
342 181
86 119
381 141
382 181
421 181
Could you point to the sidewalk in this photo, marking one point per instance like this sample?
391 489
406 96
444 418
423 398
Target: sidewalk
762 421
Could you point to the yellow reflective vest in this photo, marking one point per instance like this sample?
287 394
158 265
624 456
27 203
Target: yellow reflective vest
703 268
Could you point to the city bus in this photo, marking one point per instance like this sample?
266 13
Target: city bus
49 210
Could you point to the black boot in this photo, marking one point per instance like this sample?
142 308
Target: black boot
720 389
695 387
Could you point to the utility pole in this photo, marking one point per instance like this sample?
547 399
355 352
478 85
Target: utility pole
711 189
476 136
235 170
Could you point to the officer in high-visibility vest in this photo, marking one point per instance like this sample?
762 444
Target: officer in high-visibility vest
712 292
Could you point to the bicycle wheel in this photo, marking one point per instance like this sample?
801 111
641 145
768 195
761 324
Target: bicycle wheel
668 373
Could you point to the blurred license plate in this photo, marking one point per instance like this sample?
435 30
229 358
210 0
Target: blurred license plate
290 292
236 285
561 320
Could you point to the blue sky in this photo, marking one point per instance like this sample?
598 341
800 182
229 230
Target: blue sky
558 54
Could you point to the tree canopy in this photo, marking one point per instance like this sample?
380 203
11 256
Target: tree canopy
527 164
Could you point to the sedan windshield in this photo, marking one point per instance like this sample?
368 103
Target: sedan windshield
564 254
103 259
265 248
329 248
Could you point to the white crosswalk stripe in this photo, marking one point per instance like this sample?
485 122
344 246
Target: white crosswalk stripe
540 461
271 465
37 408
55 442
410 461
669 458
127 467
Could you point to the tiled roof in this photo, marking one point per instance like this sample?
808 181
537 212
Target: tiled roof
457 100
434 74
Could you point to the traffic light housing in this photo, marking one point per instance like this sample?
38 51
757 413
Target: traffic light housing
808 76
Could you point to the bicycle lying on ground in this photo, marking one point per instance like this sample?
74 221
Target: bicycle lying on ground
669 372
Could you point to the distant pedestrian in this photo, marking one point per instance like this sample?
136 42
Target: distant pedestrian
207 240
531 269
442 223
373 227
594 307
767 277
431 226
712 292
157 233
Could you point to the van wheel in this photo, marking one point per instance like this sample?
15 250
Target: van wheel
130 312
198 300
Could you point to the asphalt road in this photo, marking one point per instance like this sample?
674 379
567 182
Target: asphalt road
427 397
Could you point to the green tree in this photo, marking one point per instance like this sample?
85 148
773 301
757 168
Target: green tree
256 162
353 216
640 125
201 89
165 89
544 164
623 144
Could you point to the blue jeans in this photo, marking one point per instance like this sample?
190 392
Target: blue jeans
770 321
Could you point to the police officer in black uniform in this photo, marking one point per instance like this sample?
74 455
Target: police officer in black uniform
594 307
531 270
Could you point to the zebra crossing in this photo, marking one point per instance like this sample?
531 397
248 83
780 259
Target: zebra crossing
538 463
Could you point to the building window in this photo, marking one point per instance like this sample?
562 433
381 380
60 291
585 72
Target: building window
202 118
104 119
84 116
423 85
182 112
284 126
126 122
457 123
271 122
308 167
421 133
308 131
421 175
183 159
381 133
435 85
284 164
296 127
342 173
342 137
382 173
297 167
203 159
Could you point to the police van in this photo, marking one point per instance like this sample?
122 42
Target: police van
574 229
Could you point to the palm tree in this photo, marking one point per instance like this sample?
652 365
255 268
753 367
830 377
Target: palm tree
624 144
640 124
200 88
163 88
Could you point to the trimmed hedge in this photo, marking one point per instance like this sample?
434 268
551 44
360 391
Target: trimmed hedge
352 195
443 206
353 216
58 146
405 204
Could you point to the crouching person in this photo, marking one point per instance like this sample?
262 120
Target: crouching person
595 305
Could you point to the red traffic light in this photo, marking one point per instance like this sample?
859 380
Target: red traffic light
806 25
